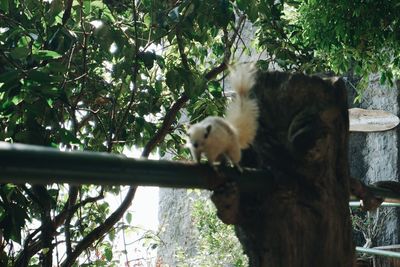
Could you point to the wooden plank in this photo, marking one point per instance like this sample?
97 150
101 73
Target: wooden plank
367 120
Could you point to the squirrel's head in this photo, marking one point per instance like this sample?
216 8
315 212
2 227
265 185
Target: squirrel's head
198 134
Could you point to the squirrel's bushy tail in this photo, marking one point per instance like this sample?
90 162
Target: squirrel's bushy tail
243 111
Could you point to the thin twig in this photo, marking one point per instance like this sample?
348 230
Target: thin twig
135 71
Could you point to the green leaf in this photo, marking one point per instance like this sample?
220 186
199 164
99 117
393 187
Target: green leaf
148 59
108 253
4 5
242 4
158 87
173 79
9 77
7 108
128 217
199 86
147 20
56 66
194 84
17 99
45 54
14 220
20 52
41 76
68 137
86 6
50 102
224 13
215 88
111 234
218 49
50 91
160 61
97 4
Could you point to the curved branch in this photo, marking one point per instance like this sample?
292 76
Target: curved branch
181 49
67 11
119 212
31 248
135 72
72 197
169 119
101 230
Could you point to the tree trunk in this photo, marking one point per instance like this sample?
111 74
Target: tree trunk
303 219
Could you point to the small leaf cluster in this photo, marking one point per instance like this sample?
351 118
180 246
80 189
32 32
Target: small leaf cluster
217 243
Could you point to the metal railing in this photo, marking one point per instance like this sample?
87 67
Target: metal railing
21 163
384 204
378 252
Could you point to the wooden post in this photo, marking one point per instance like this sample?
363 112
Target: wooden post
303 219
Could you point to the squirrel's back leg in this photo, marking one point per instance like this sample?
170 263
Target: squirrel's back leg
234 154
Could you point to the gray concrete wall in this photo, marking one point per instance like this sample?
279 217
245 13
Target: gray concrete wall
177 233
375 156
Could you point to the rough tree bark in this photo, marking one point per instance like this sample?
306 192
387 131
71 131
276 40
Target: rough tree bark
303 218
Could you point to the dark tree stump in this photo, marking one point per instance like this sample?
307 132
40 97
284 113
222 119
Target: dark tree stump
303 219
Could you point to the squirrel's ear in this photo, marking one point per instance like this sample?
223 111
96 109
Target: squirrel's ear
208 130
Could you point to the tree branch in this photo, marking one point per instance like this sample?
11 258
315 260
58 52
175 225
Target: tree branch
166 125
67 11
101 230
181 49
135 71
119 212
169 119
72 197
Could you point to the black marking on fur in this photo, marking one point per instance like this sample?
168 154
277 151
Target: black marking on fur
208 130
224 125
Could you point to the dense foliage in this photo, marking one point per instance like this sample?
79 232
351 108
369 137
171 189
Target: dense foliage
339 37
106 75
216 243
99 76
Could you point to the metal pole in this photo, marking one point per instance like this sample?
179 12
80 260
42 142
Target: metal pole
42 165
384 204
21 163
379 252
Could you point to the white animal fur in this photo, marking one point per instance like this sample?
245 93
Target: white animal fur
217 137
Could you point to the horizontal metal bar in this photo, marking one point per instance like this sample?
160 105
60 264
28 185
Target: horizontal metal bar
384 204
379 252
388 195
21 163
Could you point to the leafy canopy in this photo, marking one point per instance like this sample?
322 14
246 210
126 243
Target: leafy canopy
100 76
106 75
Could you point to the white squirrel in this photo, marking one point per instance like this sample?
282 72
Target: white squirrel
220 138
